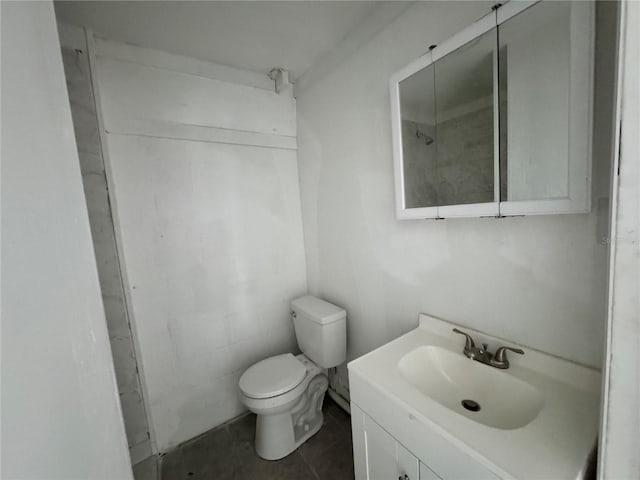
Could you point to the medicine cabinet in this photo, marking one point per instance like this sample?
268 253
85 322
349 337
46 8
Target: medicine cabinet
496 120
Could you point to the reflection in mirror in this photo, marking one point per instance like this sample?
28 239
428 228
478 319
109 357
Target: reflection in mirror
418 139
534 80
465 123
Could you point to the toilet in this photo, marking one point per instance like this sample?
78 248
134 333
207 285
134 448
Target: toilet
286 391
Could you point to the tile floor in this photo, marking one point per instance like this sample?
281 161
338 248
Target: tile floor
227 453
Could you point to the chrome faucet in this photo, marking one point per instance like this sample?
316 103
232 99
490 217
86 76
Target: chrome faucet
482 355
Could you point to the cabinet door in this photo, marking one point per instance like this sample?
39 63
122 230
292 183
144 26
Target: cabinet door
377 455
359 447
408 464
381 452
427 474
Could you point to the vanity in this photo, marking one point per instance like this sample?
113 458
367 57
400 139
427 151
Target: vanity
421 409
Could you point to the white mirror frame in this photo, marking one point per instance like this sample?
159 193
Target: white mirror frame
581 72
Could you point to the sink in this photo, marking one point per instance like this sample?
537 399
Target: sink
479 392
536 419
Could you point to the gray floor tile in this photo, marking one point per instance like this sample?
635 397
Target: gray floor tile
244 428
331 433
292 467
211 456
227 453
335 464
171 465
332 408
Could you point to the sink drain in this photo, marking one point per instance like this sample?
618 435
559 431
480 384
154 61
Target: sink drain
471 405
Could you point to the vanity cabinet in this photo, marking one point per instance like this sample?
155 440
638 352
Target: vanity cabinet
378 456
538 418
396 443
496 120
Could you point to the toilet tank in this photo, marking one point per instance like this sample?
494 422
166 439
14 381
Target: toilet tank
321 330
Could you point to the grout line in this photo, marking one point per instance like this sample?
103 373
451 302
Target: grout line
310 467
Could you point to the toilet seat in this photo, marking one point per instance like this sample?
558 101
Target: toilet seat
272 377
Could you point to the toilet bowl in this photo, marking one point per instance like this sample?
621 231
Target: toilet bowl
285 391
286 394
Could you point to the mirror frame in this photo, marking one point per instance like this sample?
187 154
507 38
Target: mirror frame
580 120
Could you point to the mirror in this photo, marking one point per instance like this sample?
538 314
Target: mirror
496 120
418 125
447 145
464 123
535 127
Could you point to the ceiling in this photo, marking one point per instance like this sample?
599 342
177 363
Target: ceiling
253 35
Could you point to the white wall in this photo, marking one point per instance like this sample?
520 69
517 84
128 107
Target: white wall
204 180
540 281
60 412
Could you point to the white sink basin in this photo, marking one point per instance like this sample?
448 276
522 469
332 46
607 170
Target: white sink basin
450 378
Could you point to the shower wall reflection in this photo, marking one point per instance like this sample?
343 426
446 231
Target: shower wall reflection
448 128
465 158
420 182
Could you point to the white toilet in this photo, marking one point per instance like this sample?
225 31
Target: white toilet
286 391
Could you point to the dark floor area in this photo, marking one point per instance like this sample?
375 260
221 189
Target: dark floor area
227 453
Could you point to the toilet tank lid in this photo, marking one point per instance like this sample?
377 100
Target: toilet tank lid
320 311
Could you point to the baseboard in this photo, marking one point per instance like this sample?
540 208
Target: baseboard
340 400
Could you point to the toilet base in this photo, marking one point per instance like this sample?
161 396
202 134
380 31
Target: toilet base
275 441
278 435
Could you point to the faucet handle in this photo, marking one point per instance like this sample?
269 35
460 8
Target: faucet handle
501 354
469 343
